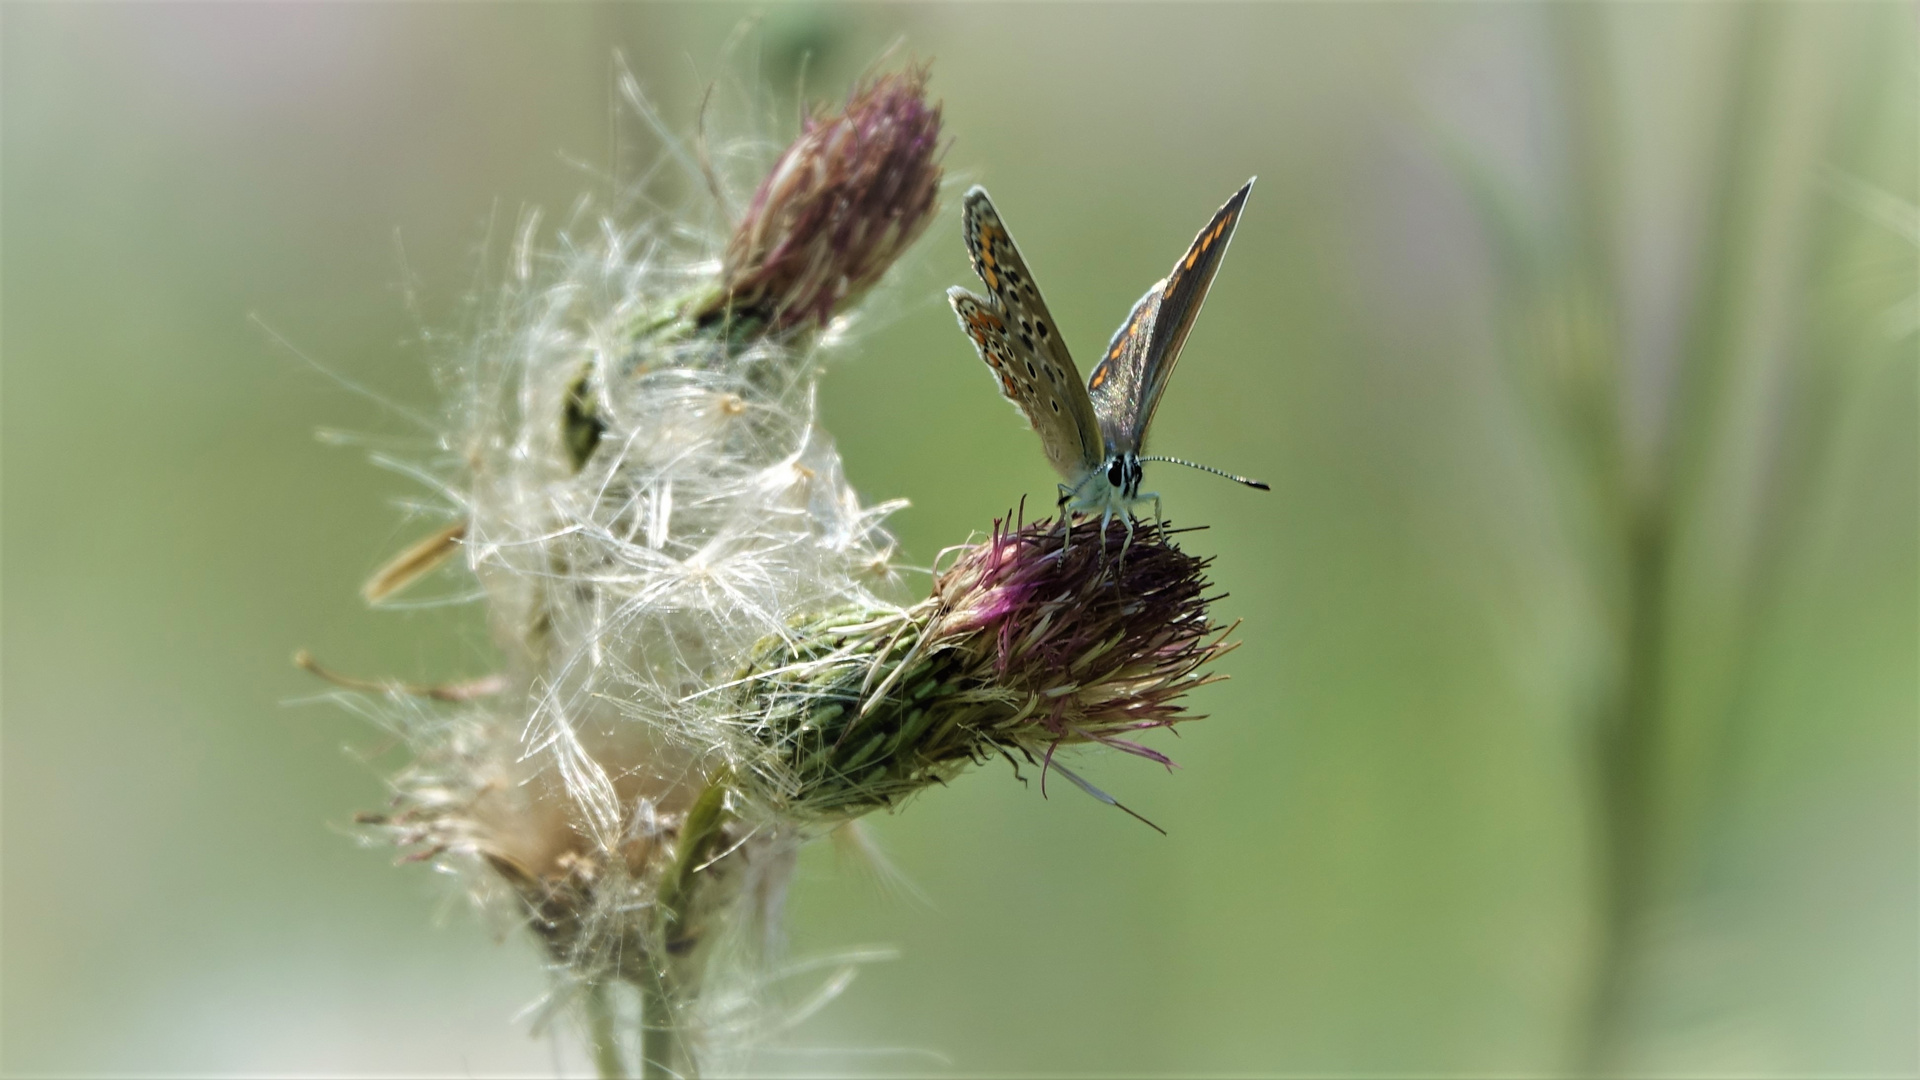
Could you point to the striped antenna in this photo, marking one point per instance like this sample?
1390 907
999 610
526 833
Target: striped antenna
1208 468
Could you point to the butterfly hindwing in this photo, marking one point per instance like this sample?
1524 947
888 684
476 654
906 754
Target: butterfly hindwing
1040 377
1127 385
989 333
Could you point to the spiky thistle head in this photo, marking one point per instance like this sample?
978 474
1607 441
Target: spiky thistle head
1036 638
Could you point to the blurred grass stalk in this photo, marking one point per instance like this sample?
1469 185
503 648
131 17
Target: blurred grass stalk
1692 469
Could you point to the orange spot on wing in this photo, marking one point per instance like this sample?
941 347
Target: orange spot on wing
1191 256
1100 374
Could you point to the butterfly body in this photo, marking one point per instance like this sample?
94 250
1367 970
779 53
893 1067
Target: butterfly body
1092 433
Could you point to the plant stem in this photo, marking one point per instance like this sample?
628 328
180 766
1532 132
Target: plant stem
662 1054
1639 814
1627 781
607 1062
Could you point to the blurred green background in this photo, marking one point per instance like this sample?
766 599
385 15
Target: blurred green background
1575 722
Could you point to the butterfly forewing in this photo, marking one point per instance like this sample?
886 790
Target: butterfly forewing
1116 383
1036 373
1127 384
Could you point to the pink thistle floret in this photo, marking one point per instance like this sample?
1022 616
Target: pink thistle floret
1108 631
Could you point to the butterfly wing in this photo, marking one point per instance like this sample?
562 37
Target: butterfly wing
1127 384
1019 340
1045 401
1118 385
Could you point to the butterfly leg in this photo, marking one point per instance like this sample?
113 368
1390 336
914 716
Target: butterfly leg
1066 518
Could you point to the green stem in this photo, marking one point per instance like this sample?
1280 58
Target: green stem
607 1062
1637 813
697 838
662 1054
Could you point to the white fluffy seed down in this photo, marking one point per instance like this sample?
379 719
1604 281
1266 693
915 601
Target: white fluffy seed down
711 511
643 495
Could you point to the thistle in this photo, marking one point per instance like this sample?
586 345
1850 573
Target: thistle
1027 644
699 670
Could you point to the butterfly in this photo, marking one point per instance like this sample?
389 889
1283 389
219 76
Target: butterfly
1092 433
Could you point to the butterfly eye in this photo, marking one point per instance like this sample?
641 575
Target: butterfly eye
1116 472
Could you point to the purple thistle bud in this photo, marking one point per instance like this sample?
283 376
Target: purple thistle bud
842 203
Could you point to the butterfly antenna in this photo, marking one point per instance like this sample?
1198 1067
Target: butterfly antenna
1208 468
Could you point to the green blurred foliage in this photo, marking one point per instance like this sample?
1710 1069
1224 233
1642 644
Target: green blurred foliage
1574 726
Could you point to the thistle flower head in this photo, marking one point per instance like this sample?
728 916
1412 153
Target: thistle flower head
1110 632
851 193
1033 639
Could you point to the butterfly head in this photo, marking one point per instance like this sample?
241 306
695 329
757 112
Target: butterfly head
1111 490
